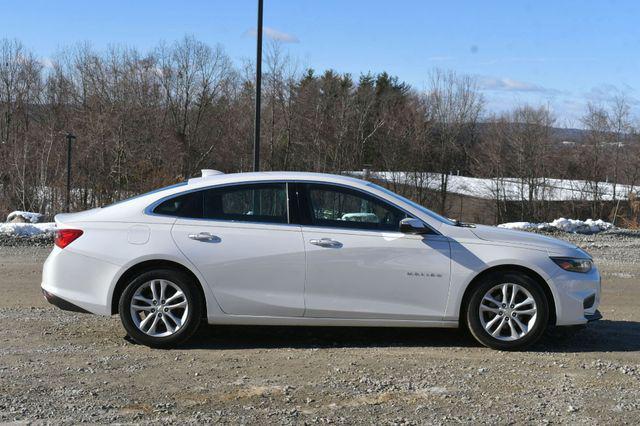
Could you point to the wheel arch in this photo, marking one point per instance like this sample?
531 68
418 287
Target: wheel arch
151 264
509 268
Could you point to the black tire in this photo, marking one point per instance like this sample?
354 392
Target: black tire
193 315
473 313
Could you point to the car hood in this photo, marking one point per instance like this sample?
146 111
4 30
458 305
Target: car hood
522 238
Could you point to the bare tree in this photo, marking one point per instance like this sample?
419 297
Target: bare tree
597 123
530 138
145 119
454 107
192 75
621 128
493 159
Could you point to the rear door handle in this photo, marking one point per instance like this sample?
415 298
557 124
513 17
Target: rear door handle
326 242
205 237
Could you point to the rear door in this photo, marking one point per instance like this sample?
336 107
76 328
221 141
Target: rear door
360 266
240 239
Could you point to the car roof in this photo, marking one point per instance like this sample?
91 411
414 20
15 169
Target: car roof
221 178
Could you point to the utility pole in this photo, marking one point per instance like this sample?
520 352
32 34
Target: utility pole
70 137
256 139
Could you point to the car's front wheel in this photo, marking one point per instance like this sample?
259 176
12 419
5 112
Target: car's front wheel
160 308
507 311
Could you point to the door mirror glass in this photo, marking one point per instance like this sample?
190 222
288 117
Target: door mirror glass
411 225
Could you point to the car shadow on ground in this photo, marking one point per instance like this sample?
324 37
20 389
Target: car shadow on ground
601 336
300 337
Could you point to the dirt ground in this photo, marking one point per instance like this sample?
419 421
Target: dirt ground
59 367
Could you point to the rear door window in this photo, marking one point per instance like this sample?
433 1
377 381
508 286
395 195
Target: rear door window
265 202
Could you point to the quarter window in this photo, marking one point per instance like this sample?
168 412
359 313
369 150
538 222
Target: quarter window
343 208
185 205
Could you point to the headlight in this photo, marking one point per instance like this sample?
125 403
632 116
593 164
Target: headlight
573 264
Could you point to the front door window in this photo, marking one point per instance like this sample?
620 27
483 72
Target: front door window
338 207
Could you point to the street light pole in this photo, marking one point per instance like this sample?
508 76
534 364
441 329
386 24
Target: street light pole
70 137
256 136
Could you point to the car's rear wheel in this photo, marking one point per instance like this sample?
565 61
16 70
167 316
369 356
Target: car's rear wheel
161 308
507 311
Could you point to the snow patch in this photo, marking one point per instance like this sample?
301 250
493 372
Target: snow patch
27 229
21 216
512 189
574 226
26 224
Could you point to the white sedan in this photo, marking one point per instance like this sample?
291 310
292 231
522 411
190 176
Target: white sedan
288 248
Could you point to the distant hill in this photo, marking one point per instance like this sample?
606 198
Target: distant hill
574 135
558 133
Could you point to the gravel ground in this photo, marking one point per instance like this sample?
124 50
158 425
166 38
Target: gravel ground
59 367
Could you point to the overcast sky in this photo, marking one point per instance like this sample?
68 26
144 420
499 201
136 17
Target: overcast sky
560 53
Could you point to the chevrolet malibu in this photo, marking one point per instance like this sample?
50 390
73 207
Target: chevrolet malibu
288 248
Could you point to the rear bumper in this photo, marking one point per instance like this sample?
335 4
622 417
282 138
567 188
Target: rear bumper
74 281
62 304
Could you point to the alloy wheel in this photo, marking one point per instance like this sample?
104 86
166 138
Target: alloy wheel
159 308
508 312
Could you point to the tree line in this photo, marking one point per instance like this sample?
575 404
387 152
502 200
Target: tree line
146 119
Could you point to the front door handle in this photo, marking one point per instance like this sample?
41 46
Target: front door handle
326 242
205 236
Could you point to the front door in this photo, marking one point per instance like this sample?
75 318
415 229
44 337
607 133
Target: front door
360 266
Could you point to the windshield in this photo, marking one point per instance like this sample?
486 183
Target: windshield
417 206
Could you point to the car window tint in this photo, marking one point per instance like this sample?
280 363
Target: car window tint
344 208
250 203
185 205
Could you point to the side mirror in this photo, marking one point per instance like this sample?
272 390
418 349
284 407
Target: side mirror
410 225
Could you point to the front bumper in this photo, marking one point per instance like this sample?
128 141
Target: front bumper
594 316
578 297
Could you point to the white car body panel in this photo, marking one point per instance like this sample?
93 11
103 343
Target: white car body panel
376 275
253 269
272 274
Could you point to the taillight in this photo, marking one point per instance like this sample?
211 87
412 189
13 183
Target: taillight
64 237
